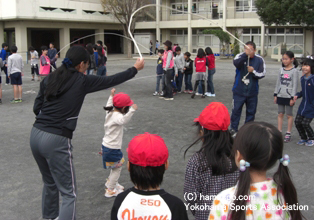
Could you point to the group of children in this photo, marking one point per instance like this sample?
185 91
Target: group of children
173 68
286 94
13 68
224 168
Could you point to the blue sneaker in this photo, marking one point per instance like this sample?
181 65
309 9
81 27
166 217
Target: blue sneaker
309 143
302 142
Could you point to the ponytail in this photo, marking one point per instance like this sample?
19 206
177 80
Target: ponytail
286 187
242 189
56 80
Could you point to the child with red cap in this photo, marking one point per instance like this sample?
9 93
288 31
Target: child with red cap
148 160
211 169
120 109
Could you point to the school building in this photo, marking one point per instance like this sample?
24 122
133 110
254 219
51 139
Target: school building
36 23
233 15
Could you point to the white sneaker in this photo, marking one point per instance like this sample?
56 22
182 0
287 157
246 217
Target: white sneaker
118 186
155 93
208 94
213 95
162 93
111 193
168 99
198 93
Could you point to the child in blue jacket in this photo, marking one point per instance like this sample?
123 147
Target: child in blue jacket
306 109
160 73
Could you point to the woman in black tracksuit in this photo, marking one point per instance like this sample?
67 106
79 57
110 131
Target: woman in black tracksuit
57 107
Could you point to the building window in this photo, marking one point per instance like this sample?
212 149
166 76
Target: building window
245 5
251 34
290 36
179 37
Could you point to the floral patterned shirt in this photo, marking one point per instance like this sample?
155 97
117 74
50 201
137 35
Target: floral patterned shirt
263 203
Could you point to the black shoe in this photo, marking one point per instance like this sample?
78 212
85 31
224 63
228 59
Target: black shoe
203 96
193 95
233 133
33 80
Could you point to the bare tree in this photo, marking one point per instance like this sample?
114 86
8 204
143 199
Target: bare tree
122 11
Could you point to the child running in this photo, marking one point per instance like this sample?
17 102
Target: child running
257 148
34 63
211 71
211 169
286 88
305 113
200 63
148 161
188 71
119 109
160 73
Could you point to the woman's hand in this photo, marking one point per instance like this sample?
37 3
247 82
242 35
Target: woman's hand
291 102
295 98
113 92
139 64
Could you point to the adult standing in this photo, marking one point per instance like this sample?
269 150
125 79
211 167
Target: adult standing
52 52
157 47
245 89
3 56
57 107
100 44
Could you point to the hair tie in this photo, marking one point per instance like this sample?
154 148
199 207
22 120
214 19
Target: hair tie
285 160
244 165
67 62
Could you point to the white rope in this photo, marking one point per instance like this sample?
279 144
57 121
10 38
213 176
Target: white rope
154 5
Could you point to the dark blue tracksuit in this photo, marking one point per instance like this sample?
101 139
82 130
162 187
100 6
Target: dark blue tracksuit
246 94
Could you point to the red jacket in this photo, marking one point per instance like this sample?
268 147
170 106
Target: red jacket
200 64
211 61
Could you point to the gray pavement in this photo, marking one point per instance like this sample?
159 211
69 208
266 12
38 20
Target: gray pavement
20 179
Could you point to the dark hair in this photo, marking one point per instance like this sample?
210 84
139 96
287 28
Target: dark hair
99 42
31 48
147 177
123 110
161 51
63 74
89 48
188 54
157 41
251 43
290 54
14 49
99 51
308 62
178 48
95 46
216 150
201 53
261 144
44 48
208 51
4 45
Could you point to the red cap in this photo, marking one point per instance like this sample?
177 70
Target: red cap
147 150
121 100
214 117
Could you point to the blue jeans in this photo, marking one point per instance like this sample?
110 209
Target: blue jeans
210 84
188 82
102 71
179 81
159 78
238 102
